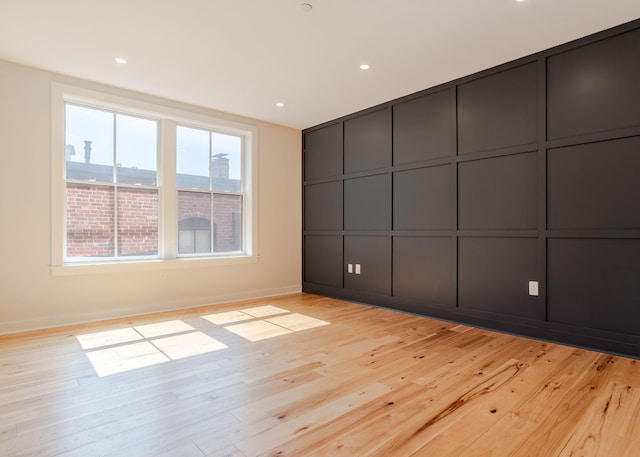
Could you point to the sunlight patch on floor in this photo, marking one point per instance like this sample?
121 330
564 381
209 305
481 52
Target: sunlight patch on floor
297 322
227 317
263 311
187 345
257 330
116 351
119 350
163 328
125 358
276 322
108 337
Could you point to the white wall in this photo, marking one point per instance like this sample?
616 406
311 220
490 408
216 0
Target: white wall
30 297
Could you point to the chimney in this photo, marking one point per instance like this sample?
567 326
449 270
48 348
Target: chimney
220 166
87 151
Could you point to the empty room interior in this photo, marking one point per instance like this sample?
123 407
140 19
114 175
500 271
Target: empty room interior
327 228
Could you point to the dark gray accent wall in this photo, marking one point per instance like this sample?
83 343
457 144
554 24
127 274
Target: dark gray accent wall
591 87
373 254
424 128
452 200
605 185
323 260
498 110
492 272
422 268
422 198
499 193
367 141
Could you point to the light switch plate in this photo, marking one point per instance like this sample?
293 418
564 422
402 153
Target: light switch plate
533 288
350 268
357 268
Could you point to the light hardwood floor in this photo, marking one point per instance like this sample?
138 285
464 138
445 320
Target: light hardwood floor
303 375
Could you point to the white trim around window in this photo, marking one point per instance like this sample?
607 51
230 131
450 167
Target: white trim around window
168 118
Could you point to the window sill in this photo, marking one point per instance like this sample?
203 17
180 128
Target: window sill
147 265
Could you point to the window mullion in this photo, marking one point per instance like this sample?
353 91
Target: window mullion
115 221
168 194
115 190
212 225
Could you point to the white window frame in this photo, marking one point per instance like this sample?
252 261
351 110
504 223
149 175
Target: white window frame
168 118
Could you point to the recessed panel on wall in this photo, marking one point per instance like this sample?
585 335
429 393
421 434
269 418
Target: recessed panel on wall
498 193
370 257
322 206
323 260
422 268
594 186
494 275
367 203
423 128
323 152
422 199
594 283
594 88
367 141
499 110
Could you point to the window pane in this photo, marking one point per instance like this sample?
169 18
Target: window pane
136 150
226 162
203 240
192 158
194 215
227 223
89 144
90 221
186 242
137 222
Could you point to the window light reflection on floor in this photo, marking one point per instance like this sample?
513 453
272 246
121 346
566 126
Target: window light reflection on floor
125 358
257 330
163 328
120 350
109 337
116 351
277 322
246 314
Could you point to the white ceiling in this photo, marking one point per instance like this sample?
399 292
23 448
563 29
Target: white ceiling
244 56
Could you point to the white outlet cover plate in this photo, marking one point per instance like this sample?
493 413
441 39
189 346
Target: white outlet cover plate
533 288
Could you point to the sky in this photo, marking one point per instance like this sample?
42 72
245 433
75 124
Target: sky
136 142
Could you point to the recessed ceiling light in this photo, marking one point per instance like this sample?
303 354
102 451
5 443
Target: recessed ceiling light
306 7
120 60
280 105
364 66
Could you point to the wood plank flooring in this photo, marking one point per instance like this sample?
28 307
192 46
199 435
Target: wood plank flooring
303 375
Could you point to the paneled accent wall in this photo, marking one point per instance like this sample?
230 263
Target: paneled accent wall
451 201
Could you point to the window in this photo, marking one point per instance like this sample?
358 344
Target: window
209 181
134 182
111 184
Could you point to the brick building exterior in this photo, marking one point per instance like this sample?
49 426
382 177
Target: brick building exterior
91 217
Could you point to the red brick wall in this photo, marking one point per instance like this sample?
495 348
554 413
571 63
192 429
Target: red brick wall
90 220
137 222
194 205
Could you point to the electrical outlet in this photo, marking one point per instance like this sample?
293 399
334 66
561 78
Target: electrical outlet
533 288
350 268
357 268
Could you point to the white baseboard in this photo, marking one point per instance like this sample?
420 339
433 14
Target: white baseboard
62 320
